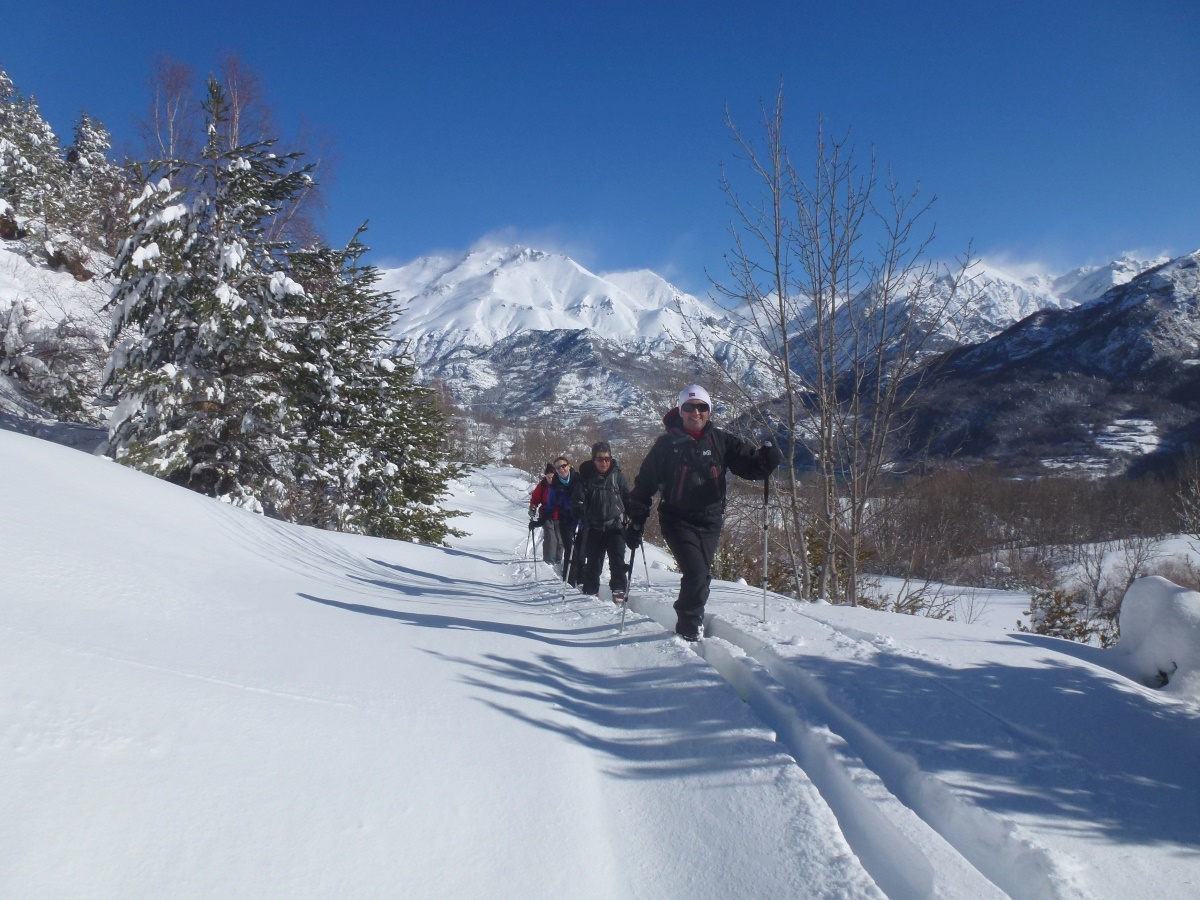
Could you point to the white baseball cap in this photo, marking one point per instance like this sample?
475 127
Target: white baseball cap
695 392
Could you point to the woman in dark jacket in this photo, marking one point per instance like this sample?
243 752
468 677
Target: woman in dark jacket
599 501
687 466
558 509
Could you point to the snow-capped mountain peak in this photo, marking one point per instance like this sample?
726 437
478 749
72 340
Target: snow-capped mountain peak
530 333
489 294
1089 282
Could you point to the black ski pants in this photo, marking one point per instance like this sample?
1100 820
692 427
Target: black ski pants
572 546
693 547
598 543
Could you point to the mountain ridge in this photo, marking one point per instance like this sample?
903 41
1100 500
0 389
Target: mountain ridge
467 318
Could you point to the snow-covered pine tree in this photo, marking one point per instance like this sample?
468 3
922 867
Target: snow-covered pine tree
200 309
32 170
372 454
97 190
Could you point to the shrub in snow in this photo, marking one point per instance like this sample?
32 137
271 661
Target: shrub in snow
58 364
1060 613
1160 635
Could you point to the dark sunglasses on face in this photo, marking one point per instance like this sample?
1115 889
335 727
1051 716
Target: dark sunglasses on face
602 459
694 407
562 466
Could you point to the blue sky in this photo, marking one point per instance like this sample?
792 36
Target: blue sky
1052 133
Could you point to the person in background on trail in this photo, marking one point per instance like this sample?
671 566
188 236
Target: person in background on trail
688 465
540 517
599 500
558 509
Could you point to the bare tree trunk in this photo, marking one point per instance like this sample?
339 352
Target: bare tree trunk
172 127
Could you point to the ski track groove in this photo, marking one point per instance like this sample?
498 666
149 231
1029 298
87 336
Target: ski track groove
904 825
899 857
992 845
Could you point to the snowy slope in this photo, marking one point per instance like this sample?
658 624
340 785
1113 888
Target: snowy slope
49 295
201 702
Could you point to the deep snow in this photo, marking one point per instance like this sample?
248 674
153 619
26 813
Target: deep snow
199 702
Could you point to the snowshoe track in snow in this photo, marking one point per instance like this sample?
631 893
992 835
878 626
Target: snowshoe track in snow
912 833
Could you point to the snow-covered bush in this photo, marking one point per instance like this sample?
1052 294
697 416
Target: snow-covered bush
1160 635
58 363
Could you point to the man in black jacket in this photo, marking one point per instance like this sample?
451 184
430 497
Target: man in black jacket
599 500
687 465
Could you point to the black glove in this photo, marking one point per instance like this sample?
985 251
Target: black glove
770 455
534 524
633 535
637 511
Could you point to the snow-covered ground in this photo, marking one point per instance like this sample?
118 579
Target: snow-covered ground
198 702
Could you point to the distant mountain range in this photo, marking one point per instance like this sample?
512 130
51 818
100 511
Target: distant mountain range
1106 385
1097 368
527 334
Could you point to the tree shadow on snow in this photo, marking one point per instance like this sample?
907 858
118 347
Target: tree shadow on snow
664 721
561 637
660 721
1064 743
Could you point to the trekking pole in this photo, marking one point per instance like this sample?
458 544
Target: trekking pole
533 551
766 522
566 566
628 585
577 560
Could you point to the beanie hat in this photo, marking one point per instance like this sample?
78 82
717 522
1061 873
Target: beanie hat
695 392
549 470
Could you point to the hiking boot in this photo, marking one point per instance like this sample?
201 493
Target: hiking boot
618 596
687 633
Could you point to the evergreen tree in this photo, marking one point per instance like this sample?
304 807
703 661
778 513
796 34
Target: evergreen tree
32 171
200 308
371 454
97 190
1058 614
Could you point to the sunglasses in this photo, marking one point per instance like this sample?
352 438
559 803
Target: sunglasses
602 459
563 466
694 407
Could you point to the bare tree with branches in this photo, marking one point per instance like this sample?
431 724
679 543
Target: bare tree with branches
173 133
842 313
173 127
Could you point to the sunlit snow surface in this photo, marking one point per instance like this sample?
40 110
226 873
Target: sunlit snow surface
198 702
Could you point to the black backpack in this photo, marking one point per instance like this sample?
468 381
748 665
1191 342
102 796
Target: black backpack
695 474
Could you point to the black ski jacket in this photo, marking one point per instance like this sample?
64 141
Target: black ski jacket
600 501
689 473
